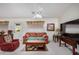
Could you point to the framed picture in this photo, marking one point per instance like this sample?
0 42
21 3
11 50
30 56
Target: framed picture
18 27
50 27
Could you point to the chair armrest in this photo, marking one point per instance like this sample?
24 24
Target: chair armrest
15 40
9 46
5 45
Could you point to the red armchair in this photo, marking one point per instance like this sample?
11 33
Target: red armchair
41 34
8 46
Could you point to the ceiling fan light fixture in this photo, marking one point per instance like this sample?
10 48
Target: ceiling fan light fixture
37 16
37 13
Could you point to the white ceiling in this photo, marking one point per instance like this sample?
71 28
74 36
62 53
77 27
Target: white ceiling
26 9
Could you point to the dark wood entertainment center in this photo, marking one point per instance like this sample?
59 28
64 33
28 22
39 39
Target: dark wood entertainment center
69 38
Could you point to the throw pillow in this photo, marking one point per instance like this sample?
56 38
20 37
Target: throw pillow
8 38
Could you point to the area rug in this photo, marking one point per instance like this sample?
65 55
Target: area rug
37 49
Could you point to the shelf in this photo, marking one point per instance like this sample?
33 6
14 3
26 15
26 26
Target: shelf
4 22
35 23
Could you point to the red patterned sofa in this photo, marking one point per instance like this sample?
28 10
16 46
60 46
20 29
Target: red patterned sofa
8 46
34 34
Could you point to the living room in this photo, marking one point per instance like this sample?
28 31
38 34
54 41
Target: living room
29 19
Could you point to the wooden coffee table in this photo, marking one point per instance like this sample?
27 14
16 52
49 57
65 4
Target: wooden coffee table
35 45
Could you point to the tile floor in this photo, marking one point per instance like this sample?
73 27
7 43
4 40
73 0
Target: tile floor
53 49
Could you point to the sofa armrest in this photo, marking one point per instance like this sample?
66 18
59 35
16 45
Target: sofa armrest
46 38
26 36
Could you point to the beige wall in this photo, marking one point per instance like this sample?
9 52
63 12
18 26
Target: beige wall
24 28
71 14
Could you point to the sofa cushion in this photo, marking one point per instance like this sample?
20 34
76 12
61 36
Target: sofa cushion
33 34
35 38
39 34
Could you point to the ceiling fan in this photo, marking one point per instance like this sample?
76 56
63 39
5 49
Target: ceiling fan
37 13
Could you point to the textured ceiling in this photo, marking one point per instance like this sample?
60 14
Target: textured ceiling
26 9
